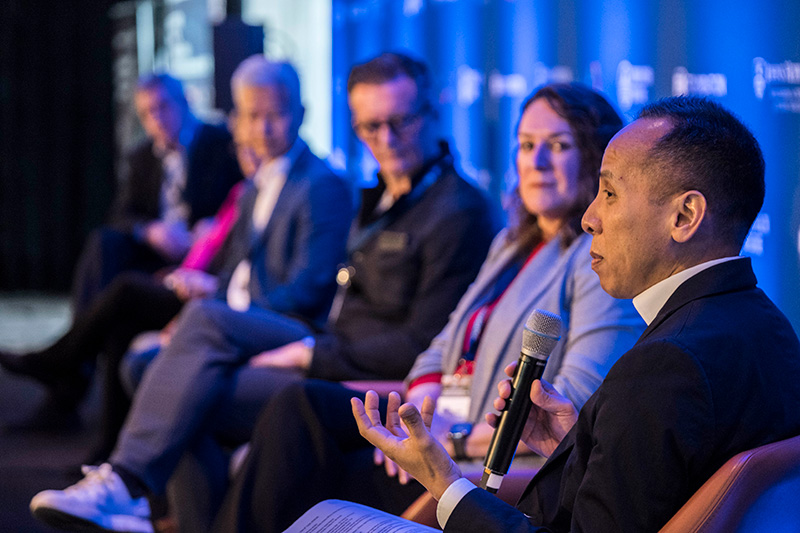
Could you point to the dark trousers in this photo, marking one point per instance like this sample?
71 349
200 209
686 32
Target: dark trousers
306 448
132 303
107 253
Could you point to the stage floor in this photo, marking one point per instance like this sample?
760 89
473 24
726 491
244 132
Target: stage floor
33 461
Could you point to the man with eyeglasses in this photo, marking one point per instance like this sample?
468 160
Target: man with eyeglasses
417 243
413 251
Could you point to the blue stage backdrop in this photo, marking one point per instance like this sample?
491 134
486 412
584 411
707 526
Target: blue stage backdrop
487 55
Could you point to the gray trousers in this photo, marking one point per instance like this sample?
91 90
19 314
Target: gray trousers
200 387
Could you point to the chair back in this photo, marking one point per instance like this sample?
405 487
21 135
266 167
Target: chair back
756 490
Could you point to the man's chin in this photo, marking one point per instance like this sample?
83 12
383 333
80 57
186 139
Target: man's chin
270 154
398 168
613 290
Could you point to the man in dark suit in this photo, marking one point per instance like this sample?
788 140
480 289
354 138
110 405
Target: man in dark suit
176 177
715 373
179 175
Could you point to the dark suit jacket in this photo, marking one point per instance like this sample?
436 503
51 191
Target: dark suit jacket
294 260
211 171
407 279
716 373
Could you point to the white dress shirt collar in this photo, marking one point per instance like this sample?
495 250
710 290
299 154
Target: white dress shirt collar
269 180
280 165
650 302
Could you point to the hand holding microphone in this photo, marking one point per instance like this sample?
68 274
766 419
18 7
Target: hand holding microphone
549 420
540 335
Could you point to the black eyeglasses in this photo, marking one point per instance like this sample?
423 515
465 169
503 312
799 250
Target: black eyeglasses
399 124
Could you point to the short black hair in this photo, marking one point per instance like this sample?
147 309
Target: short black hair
709 150
389 66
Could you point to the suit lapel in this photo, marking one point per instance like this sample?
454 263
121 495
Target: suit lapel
724 277
477 294
287 196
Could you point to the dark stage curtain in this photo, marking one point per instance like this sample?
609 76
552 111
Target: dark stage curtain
56 136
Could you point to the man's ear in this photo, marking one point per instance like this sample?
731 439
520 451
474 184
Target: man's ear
690 211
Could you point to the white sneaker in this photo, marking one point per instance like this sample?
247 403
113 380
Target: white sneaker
98 502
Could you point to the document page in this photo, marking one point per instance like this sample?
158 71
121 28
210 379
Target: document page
337 516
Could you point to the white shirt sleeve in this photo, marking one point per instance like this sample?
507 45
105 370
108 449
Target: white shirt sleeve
454 493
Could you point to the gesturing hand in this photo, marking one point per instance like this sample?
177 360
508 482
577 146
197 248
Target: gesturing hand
550 419
188 284
415 451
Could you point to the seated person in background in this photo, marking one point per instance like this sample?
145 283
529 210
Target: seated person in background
417 243
132 303
203 256
715 373
540 261
178 176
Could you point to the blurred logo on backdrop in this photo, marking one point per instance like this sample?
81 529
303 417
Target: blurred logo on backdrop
633 84
711 84
469 82
468 85
513 85
516 86
412 7
779 83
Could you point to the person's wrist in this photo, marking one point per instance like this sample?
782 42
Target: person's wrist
458 435
308 343
417 394
444 482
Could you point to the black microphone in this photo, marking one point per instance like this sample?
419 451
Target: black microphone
539 336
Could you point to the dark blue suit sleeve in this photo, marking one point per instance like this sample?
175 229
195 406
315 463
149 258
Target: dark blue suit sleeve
628 466
480 511
318 248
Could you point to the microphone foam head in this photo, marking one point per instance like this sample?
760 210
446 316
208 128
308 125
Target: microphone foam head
541 333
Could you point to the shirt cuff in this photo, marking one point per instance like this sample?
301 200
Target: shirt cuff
451 497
